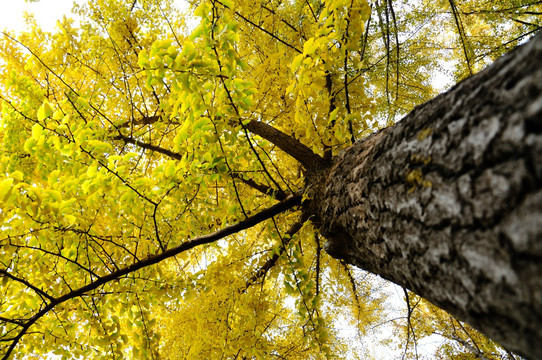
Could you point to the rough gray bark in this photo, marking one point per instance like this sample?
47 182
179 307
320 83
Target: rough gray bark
448 202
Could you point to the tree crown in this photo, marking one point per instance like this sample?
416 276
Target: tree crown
152 172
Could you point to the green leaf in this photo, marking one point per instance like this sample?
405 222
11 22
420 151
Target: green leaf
201 123
289 288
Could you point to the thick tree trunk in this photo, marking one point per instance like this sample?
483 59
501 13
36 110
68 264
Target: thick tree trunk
448 202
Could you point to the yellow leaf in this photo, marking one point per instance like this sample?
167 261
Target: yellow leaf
37 130
92 169
70 219
53 178
296 62
309 47
17 175
58 115
29 145
333 115
5 187
170 169
45 111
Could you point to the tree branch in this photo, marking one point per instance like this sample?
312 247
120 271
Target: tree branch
290 202
264 189
294 228
146 120
264 30
306 157
285 142
462 35
26 283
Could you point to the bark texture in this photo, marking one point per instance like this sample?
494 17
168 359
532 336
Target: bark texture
448 202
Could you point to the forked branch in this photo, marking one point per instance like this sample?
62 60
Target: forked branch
290 202
306 157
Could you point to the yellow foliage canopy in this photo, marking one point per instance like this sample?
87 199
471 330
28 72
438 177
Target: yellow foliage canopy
136 148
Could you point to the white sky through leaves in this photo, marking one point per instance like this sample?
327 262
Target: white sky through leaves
46 12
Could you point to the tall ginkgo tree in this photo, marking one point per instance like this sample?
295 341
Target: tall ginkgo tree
168 179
